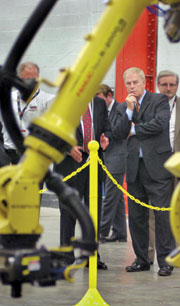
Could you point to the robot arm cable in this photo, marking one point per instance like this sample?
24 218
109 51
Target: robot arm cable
8 77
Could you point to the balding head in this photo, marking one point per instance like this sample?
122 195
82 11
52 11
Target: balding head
28 70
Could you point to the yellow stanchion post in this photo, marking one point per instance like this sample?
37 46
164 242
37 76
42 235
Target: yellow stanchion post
92 296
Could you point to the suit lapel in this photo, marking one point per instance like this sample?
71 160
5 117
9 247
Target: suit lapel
144 105
94 117
113 112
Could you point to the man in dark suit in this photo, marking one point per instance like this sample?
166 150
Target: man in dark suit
113 208
101 132
167 83
143 119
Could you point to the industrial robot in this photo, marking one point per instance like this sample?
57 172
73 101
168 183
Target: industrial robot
51 137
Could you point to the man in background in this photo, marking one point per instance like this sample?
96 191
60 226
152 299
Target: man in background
113 208
143 119
167 83
25 113
94 124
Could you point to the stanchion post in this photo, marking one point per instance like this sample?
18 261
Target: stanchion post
92 296
93 206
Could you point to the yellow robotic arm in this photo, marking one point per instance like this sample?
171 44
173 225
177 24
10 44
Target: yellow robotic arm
53 134
173 165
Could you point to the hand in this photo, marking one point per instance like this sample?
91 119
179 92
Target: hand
76 153
104 141
131 101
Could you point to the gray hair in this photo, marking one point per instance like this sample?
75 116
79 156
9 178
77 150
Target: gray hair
165 73
22 66
136 70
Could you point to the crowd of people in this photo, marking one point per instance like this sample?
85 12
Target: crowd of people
136 138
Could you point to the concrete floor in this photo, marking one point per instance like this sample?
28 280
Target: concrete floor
116 286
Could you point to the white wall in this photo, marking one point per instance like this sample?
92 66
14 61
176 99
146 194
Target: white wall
59 40
168 54
61 37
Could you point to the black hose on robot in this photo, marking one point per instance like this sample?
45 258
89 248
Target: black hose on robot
8 77
69 200
8 80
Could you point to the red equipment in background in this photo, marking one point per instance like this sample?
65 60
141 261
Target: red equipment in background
139 51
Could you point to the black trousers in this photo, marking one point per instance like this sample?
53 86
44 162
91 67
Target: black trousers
113 209
13 155
4 158
158 192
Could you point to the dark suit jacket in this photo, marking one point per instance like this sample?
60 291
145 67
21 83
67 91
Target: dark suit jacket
114 156
152 136
177 127
100 121
4 158
101 125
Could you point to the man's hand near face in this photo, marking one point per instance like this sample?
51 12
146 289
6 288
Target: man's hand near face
131 101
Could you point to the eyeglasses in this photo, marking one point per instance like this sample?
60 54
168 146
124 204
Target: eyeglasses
166 85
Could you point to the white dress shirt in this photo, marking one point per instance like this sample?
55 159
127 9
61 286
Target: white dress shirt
172 121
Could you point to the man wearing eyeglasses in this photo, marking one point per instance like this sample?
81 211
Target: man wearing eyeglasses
167 82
